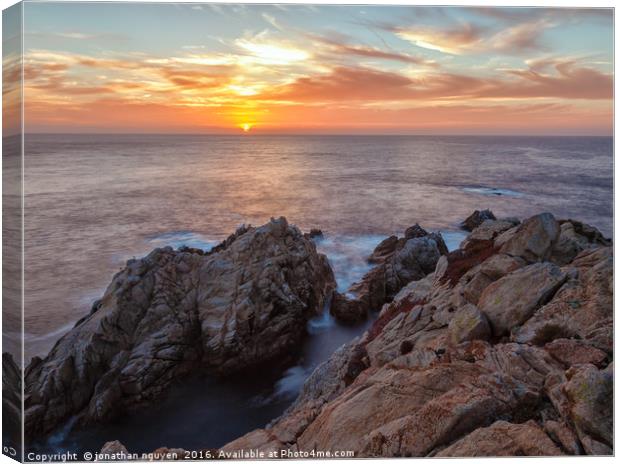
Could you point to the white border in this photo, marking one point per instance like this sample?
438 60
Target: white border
532 3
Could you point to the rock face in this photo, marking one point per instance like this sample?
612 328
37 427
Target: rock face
503 350
534 239
511 300
244 304
398 262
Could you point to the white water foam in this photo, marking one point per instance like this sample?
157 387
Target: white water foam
493 191
183 238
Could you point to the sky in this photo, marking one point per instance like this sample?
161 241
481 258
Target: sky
199 68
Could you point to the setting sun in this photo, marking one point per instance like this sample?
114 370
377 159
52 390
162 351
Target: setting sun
246 127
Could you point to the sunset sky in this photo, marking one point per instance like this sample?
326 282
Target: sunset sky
324 69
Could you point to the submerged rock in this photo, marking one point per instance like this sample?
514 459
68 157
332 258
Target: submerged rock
173 313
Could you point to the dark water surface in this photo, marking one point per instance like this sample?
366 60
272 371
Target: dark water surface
93 201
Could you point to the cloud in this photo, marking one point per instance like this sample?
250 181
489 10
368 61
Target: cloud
338 45
268 51
344 83
567 80
466 38
271 20
456 41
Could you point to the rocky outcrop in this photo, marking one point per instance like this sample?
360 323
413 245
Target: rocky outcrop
172 313
398 261
502 350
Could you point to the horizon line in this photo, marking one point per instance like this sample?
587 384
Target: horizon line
297 134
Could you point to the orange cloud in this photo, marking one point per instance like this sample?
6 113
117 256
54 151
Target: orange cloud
344 84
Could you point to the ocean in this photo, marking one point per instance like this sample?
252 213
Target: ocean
94 201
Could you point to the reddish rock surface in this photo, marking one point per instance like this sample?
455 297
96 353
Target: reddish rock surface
429 379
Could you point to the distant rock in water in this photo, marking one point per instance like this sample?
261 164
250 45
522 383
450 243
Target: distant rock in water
506 348
241 305
314 233
476 218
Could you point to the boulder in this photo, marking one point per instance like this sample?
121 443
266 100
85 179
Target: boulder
451 267
487 231
348 311
534 239
581 309
476 218
114 448
173 313
574 238
415 231
314 233
384 250
564 436
468 324
590 394
570 352
511 300
480 277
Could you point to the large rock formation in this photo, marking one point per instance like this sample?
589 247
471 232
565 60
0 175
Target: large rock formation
505 349
244 304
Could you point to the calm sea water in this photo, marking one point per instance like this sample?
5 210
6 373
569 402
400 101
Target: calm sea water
93 201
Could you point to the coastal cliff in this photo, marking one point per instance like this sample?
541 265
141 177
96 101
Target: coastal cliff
501 347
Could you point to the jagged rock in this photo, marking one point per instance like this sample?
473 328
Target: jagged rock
469 324
504 439
384 250
314 233
480 277
113 448
564 436
534 239
406 389
400 261
574 238
511 300
571 352
173 312
476 218
415 231
488 231
590 393
451 267
422 380
582 308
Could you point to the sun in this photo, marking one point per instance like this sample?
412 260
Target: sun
246 126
